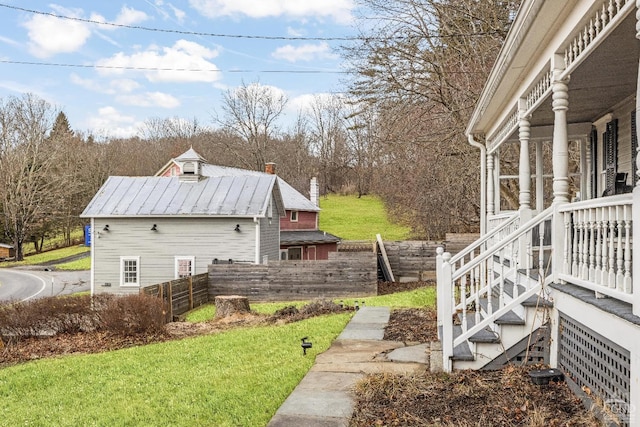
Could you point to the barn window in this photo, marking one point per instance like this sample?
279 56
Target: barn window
185 266
130 271
294 216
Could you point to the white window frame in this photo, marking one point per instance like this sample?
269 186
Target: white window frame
292 216
191 259
123 260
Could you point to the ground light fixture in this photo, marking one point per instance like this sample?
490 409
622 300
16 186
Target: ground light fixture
305 345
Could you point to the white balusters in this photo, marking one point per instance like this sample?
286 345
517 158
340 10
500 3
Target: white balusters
611 278
619 253
592 245
627 286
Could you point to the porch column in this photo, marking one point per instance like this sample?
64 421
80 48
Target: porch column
560 157
560 140
524 178
539 176
491 199
525 166
636 199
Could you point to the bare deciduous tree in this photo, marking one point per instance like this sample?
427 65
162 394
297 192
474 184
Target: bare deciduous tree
28 191
251 112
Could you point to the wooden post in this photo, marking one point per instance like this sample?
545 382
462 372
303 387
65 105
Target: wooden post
170 298
439 289
191 292
447 310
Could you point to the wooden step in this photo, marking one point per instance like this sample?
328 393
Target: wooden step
485 335
509 318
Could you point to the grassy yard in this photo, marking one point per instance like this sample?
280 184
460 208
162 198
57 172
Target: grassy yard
236 378
353 218
56 254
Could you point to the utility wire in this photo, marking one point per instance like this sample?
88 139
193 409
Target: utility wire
195 70
236 36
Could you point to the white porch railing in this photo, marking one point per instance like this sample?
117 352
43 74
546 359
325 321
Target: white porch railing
462 285
598 246
501 228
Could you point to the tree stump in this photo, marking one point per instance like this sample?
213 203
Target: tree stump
226 305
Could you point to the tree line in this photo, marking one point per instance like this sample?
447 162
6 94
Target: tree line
414 77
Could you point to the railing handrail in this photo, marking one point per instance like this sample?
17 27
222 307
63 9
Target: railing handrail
524 228
490 318
482 240
600 202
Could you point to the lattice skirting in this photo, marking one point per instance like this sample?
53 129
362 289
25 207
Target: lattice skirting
595 362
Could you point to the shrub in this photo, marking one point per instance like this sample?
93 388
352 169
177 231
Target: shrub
46 316
132 314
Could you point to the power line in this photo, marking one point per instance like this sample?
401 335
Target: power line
239 36
175 31
195 70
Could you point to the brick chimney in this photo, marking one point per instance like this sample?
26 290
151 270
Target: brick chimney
270 168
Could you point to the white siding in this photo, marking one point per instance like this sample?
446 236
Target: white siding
270 235
203 238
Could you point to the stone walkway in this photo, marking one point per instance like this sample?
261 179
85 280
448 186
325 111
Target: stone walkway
324 398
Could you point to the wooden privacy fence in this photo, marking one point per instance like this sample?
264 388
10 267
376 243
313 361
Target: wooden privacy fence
342 275
181 295
416 259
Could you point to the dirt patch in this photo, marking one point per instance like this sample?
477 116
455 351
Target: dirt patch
467 398
385 288
464 398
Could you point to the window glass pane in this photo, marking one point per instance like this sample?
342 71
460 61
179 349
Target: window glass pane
130 271
184 268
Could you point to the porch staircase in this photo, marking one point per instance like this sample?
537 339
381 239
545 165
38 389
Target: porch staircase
492 304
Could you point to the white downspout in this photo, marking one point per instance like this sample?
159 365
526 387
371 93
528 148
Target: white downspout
93 235
483 183
257 222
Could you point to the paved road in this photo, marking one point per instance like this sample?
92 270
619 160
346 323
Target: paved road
35 282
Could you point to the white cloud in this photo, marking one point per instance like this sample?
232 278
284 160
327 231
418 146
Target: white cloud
109 122
179 13
338 10
150 99
183 55
124 85
9 41
49 36
306 52
129 16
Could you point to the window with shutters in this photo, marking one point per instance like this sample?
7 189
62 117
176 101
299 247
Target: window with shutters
610 153
594 163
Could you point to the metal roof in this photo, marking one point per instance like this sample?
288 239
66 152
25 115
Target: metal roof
292 198
247 195
291 237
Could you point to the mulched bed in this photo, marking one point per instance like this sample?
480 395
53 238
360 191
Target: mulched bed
467 398
464 398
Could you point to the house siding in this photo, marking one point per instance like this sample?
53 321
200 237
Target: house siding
624 160
306 221
270 235
203 238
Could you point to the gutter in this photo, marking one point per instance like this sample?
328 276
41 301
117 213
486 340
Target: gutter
483 182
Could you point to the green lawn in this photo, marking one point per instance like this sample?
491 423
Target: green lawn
236 378
353 218
49 256
422 297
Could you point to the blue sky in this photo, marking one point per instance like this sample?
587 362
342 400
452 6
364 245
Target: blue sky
114 102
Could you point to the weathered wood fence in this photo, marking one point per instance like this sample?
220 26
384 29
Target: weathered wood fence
342 275
181 295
